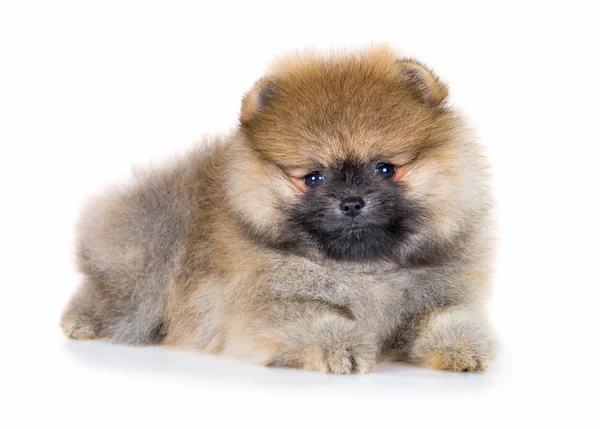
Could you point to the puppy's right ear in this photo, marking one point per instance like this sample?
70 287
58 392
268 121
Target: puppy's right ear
260 96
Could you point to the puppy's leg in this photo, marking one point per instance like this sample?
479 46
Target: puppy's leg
329 343
304 335
81 319
96 311
455 339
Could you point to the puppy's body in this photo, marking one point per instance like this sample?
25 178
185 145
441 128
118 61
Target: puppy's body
228 250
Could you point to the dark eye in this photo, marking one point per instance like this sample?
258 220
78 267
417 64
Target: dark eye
385 170
312 180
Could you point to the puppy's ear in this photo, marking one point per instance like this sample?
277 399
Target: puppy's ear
260 96
427 85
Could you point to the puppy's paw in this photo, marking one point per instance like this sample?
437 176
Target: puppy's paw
349 360
462 358
78 329
341 348
455 340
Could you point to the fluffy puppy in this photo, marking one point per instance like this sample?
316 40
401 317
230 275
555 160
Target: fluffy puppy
345 221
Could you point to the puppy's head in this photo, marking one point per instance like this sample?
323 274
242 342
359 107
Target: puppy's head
355 154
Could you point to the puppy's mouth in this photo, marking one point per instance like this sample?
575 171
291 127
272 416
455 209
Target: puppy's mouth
358 227
357 232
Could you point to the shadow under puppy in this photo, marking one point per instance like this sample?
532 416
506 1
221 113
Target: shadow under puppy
345 221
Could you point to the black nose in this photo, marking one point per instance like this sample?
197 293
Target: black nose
352 206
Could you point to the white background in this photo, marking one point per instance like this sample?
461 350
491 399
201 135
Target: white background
87 89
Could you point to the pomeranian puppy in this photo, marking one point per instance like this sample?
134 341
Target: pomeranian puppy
345 221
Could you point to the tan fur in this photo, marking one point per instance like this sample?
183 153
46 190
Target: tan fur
202 255
449 341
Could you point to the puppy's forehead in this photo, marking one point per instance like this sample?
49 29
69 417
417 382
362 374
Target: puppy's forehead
322 113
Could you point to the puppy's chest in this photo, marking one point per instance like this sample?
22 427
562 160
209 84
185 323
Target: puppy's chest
370 292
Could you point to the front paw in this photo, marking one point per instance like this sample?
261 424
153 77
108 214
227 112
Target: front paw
341 348
459 358
458 341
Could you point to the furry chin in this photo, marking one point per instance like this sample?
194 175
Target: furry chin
358 244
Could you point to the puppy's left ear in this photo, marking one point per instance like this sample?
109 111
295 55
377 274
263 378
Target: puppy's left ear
259 97
422 80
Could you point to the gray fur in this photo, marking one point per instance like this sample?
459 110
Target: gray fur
130 242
